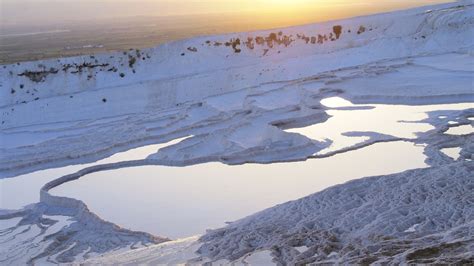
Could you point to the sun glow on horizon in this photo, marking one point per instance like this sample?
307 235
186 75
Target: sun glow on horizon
28 11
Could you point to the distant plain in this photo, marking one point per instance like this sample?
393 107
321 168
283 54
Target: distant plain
27 43
35 34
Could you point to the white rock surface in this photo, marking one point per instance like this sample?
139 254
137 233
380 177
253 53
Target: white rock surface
235 101
89 112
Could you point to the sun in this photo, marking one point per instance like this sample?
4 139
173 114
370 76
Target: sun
288 2
286 5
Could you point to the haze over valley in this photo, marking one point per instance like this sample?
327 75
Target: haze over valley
40 29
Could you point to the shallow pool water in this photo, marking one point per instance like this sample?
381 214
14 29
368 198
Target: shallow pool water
461 130
180 202
22 190
394 120
454 153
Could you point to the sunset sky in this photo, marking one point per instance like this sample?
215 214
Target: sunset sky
24 11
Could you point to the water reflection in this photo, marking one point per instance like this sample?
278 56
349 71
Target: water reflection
385 119
23 190
179 202
454 153
461 130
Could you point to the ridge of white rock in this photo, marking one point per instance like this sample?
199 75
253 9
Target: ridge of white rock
364 221
401 57
62 232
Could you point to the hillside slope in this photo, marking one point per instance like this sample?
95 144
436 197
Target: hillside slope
233 96
43 104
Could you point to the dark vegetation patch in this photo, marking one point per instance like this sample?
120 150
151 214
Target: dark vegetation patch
131 61
337 30
279 39
362 29
38 76
303 37
192 49
80 67
249 43
432 252
236 45
104 100
321 38
122 75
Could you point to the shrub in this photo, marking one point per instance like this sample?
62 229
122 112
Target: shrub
337 30
131 61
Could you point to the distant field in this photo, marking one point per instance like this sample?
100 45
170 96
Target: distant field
69 39
27 41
